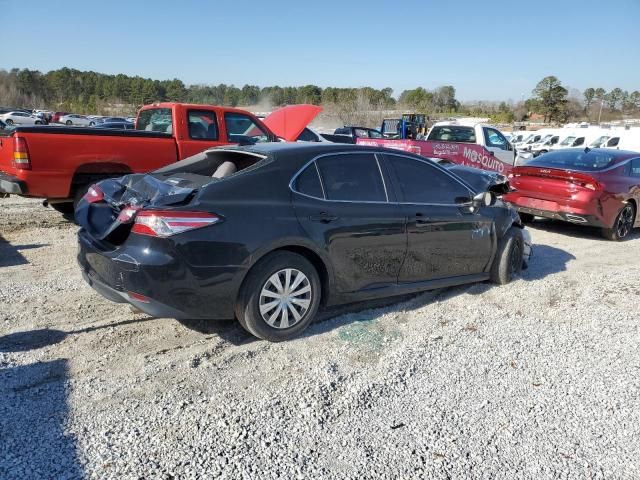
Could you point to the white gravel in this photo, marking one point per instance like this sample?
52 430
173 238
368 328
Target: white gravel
537 379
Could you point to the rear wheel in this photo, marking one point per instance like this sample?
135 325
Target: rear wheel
280 297
623 225
542 152
38 122
69 122
91 124
509 257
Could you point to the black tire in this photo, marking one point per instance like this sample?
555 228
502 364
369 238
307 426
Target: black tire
542 152
8 121
69 122
623 225
526 217
258 279
91 124
508 261
38 122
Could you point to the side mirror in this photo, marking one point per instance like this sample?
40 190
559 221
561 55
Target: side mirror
484 199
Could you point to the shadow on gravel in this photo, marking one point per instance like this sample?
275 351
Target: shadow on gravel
33 411
10 254
546 260
34 339
575 231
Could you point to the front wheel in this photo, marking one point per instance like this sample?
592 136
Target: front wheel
623 225
91 124
38 122
69 122
280 297
509 257
8 121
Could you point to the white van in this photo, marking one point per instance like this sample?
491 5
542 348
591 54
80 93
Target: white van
624 140
578 138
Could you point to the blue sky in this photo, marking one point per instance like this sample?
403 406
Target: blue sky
488 50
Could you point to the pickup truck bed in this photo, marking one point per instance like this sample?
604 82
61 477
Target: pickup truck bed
59 163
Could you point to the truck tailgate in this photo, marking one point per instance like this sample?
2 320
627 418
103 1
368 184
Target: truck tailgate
56 154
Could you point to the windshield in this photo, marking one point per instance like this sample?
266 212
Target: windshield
567 141
599 141
590 161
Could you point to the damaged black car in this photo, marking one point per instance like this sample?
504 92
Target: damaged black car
270 233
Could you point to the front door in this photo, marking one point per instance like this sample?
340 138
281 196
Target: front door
498 145
341 202
445 237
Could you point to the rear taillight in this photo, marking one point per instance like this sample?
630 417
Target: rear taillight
21 154
164 223
127 214
94 194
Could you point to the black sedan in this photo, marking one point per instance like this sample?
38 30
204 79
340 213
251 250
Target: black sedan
269 233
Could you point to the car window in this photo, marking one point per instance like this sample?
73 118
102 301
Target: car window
155 120
493 138
342 131
451 133
375 134
613 142
361 133
243 129
307 136
635 167
424 183
202 125
354 176
579 141
308 182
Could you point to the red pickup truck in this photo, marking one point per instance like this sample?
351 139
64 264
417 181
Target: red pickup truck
59 163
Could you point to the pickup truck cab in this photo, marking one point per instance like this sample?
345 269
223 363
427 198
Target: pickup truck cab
59 163
472 144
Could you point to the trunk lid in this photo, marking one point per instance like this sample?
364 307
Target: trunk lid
552 183
99 212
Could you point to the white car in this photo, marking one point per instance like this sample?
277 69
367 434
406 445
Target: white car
20 118
75 119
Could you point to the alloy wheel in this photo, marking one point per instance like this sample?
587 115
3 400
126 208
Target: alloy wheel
625 221
285 298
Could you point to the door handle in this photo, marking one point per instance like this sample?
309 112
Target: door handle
324 217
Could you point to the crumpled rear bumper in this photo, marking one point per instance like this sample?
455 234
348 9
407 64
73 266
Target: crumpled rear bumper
12 185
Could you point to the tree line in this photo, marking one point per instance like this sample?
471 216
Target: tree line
92 93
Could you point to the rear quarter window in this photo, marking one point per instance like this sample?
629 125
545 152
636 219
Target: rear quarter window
308 182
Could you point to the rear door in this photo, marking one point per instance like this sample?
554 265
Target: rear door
341 201
445 238
202 132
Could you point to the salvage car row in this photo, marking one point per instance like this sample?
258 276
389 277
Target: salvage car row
268 231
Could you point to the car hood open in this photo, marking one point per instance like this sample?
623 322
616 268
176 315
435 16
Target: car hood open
288 122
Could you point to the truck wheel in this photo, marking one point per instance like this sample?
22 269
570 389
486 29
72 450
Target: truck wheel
623 224
509 257
280 297
69 122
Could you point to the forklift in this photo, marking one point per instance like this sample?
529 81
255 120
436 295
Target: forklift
412 126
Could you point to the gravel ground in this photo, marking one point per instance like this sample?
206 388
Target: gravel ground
537 379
